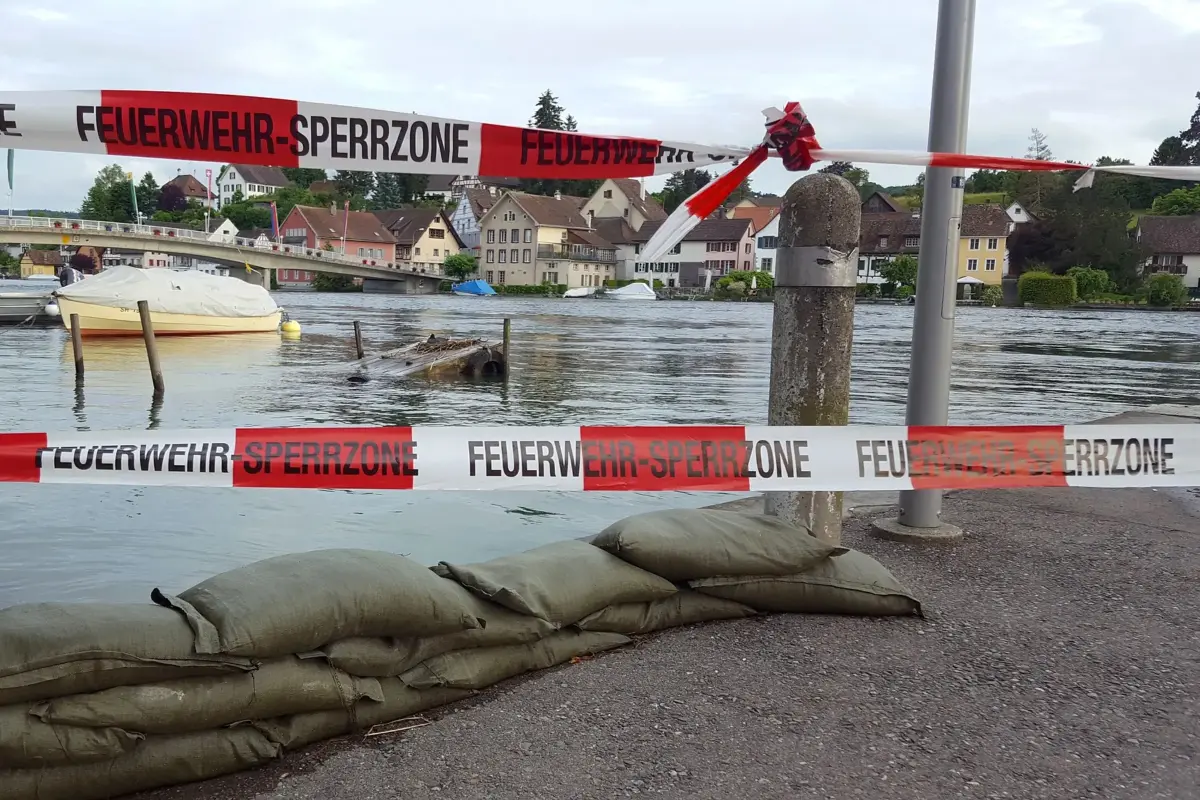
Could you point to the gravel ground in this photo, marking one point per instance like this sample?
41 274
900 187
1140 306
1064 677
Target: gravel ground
1059 658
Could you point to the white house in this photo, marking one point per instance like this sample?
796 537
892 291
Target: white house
1019 214
623 198
250 180
440 186
718 245
117 256
498 186
1173 245
225 232
765 220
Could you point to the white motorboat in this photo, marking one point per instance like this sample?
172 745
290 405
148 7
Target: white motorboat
632 291
581 291
17 307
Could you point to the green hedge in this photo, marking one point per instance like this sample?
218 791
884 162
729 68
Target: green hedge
1044 289
540 290
867 290
1166 290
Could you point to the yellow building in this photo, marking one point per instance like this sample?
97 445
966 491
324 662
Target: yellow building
40 262
424 237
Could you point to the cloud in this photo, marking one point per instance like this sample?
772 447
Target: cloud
1094 75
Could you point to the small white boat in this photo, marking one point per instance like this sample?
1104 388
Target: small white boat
19 306
632 291
580 291
181 303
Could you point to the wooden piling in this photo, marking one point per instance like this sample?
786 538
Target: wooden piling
507 337
358 346
77 345
151 348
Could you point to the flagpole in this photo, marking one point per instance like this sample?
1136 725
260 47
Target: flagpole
11 192
137 215
346 228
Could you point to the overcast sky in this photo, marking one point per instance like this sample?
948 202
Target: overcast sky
1099 77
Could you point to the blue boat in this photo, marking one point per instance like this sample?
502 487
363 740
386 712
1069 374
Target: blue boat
475 288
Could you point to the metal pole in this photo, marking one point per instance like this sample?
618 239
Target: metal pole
941 217
151 348
819 228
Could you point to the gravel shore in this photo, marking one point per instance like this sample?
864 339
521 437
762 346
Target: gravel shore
1059 658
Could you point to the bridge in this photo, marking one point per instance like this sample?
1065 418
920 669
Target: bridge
232 252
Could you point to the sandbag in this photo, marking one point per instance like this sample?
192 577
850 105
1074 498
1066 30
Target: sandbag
561 582
277 688
685 607
55 649
384 658
852 583
299 602
688 544
400 701
26 741
482 667
158 761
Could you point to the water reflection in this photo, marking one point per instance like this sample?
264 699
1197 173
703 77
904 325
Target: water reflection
573 362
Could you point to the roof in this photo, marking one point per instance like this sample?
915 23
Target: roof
646 205
614 229
590 238
558 212
500 183
759 215
1170 235
45 258
709 230
439 183
766 200
481 201
986 219
408 225
362 226
886 199
977 221
254 233
323 187
190 187
268 176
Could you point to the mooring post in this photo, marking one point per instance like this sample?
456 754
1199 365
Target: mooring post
151 348
816 274
358 348
77 346
507 340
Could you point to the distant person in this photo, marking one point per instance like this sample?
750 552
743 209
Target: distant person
68 275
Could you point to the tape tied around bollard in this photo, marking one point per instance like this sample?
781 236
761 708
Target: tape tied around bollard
816 265
636 458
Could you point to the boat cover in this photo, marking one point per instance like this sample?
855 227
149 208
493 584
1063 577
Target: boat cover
474 287
634 291
170 292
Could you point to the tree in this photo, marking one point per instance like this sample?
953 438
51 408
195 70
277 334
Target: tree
1090 282
985 180
305 177
352 183
837 168
548 114
1166 290
170 199
389 191
1190 137
682 185
858 176
459 266
1178 203
1170 153
83 262
570 124
147 194
1039 148
740 192
901 270
103 202
324 282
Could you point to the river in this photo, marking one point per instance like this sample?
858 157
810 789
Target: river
574 361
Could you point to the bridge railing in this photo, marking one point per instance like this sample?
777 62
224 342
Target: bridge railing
75 227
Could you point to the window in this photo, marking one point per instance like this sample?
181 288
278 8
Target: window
912 241
526 256
626 212
362 251
528 235
504 236
437 233
990 265
993 244
768 242
883 242
676 249
490 277
608 194
972 265
767 264
491 237
513 256
503 256
417 250
501 282
746 265
550 277
748 245
491 259
435 252
973 244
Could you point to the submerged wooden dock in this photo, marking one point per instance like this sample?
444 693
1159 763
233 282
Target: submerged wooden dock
467 358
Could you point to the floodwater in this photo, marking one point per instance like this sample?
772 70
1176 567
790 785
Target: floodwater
574 362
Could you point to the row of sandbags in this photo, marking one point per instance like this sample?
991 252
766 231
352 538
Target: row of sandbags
102 700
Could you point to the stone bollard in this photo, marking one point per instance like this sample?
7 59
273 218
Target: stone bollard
816 275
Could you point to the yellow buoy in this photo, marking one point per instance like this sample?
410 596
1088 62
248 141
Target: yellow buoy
291 326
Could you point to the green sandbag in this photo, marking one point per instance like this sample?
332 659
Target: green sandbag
561 582
158 761
852 583
299 602
55 649
682 608
301 730
484 666
277 688
26 741
688 544
384 658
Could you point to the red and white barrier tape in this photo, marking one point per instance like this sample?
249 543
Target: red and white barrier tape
291 133
648 459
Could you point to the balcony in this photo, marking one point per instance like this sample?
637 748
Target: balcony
575 252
